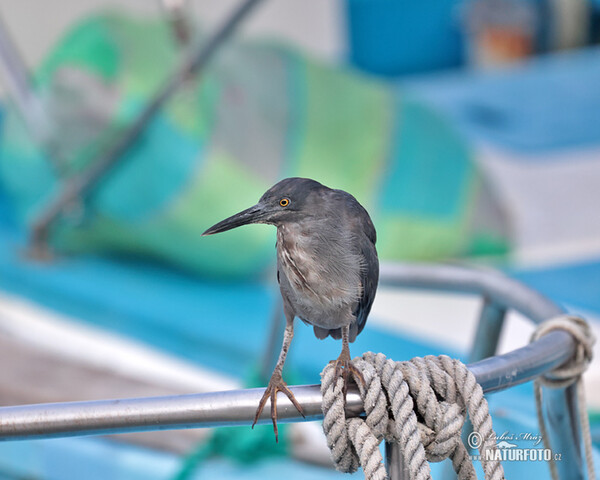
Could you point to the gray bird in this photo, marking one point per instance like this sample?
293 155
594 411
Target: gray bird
327 267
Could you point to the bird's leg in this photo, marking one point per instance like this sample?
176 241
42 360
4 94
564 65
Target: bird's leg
276 384
343 364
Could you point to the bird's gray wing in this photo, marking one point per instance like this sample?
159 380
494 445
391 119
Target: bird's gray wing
369 278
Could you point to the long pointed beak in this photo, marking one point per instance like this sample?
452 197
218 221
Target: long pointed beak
250 215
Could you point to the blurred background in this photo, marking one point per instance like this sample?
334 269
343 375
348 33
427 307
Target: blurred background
470 130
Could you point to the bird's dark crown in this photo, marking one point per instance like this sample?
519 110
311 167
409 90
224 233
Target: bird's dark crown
296 193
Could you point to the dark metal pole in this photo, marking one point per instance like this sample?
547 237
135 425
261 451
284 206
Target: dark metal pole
83 184
177 13
394 462
19 87
562 418
488 331
485 343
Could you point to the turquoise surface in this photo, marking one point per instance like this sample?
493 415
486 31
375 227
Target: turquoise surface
548 104
576 284
425 179
99 459
393 37
132 197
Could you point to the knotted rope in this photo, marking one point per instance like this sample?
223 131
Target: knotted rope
420 404
566 375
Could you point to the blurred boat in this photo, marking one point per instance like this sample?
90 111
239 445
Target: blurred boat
139 308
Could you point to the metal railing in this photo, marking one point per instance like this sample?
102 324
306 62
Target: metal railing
237 407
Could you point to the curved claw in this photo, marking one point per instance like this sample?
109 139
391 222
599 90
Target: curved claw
275 385
345 368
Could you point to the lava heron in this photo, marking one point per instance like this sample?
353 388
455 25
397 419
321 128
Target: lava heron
327 267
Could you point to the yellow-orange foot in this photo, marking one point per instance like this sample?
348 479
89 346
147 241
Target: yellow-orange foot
346 369
276 384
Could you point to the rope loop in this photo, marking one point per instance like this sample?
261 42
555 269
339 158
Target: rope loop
583 335
566 375
419 404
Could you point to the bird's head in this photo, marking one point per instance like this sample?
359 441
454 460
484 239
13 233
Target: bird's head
287 201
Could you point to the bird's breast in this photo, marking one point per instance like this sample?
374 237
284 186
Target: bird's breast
323 273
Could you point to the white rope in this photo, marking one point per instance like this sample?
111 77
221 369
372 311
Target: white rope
420 404
566 375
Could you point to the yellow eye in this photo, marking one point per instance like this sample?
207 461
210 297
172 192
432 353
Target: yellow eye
284 202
